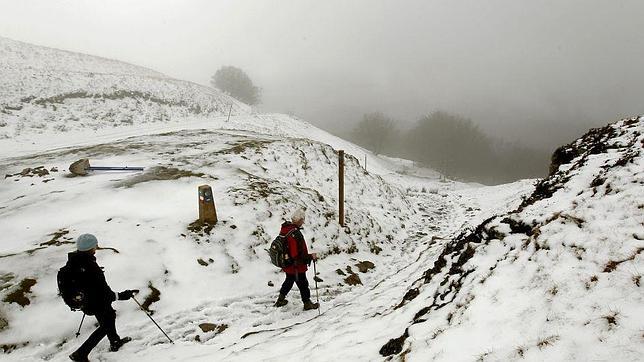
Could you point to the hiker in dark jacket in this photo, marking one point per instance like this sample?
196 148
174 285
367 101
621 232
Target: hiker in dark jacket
299 259
98 297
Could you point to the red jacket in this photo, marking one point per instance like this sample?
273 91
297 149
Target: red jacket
297 249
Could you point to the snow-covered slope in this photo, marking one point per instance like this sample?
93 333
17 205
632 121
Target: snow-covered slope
221 277
260 167
44 90
559 278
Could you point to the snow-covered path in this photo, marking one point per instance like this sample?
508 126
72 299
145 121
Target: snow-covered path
410 217
351 322
354 322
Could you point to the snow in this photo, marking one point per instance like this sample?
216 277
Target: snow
45 91
551 294
399 216
240 299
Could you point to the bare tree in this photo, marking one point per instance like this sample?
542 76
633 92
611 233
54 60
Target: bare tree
237 83
375 132
452 144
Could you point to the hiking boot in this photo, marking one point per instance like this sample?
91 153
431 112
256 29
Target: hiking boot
117 345
281 301
78 357
308 305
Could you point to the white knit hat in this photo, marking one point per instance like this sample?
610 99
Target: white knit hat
298 215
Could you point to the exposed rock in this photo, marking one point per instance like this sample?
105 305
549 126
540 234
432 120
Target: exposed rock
39 171
353 279
517 226
209 327
364 266
202 262
394 346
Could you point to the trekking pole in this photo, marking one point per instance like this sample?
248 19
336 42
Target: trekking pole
80 325
315 277
155 323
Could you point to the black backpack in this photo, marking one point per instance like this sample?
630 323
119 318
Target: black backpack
278 251
70 286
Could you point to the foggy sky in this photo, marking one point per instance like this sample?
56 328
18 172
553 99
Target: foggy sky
528 71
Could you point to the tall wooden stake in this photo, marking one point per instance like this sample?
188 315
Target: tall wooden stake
341 188
229 112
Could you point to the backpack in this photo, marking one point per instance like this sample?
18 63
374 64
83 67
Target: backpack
70 287
278 252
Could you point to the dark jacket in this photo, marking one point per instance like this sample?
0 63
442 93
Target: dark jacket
98 295
297 250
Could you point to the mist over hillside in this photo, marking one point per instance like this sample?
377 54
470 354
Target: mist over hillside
423 268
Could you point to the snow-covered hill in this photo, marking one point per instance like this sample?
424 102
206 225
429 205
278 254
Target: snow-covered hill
221 277
260 167
213 290
559 278
44 90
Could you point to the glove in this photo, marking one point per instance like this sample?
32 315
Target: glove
127 294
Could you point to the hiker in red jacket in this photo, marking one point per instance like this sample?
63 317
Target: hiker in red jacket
300 258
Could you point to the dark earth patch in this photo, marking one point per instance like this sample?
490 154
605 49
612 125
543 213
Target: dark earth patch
159 173
201 228
353 279
365 266
209 327
154 296
56 238
395 345
202 262
8 348
18 296
39 171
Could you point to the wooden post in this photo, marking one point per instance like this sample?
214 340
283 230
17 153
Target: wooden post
365 162
341 186
207 211
229 112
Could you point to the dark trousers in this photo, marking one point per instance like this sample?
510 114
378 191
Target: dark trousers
106 318
302 284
